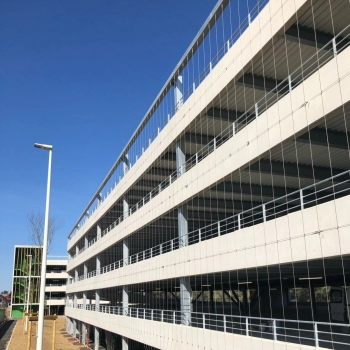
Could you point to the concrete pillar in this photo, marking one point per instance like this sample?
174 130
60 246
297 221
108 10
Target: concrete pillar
98 264
77 249
182 218
75 300
85 270
76 275
86 242
182 215
125 208
74 328
97 338
185 300
97 299
178 92
84 300
125 341
180 157
98 230
126 164
83 333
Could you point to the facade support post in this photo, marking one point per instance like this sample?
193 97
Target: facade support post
182 214
125 341
178 92
97 338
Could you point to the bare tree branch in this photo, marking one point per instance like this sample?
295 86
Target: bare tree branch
35 228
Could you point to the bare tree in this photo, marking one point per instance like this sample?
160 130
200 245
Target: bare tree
36 228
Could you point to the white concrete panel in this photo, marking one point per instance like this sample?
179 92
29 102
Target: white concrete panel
233 251
169 336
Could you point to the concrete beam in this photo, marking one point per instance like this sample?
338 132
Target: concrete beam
223 114
160 172
324 137
212 203
259 82
310 37
293 170
200 139
253 189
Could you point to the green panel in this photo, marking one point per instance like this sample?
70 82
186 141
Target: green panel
17 311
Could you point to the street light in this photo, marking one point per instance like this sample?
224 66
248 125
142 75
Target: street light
28 293
39 343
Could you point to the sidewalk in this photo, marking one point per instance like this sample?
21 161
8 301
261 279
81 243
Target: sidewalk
64 341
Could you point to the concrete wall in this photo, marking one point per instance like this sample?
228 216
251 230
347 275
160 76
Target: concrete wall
170 336
318 232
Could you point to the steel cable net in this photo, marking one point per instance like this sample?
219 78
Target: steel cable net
239 223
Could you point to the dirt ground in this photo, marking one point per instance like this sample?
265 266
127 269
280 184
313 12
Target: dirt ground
64 341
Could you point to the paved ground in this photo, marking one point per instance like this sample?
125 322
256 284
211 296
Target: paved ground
5 333
63 340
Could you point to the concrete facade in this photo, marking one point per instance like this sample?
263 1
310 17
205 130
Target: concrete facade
235 217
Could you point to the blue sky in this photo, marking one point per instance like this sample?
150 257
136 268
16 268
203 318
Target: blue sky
79 75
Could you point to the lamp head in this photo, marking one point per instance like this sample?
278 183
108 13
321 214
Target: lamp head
40 145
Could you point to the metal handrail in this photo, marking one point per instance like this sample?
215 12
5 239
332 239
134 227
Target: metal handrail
299 200
269 328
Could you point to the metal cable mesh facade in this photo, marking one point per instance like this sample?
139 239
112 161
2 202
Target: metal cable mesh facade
224 222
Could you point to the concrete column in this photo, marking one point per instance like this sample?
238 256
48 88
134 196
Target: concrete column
76 275
185 299
98 230
180 157
125 341
83 333
98 264
97 299
84 300
86 242
125 208
126 164
97 338
77 249
75 300
182 218
74 328
178 92
85 270
182 215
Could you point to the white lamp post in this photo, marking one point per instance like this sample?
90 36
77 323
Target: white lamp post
39 343
28 293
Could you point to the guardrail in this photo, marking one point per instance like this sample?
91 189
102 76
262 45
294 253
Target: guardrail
320 192
318 334
321 57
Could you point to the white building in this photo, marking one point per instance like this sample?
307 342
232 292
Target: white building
224 222
55 288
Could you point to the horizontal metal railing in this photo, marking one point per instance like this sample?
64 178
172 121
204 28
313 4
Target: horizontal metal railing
320 192
318 334
320 58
